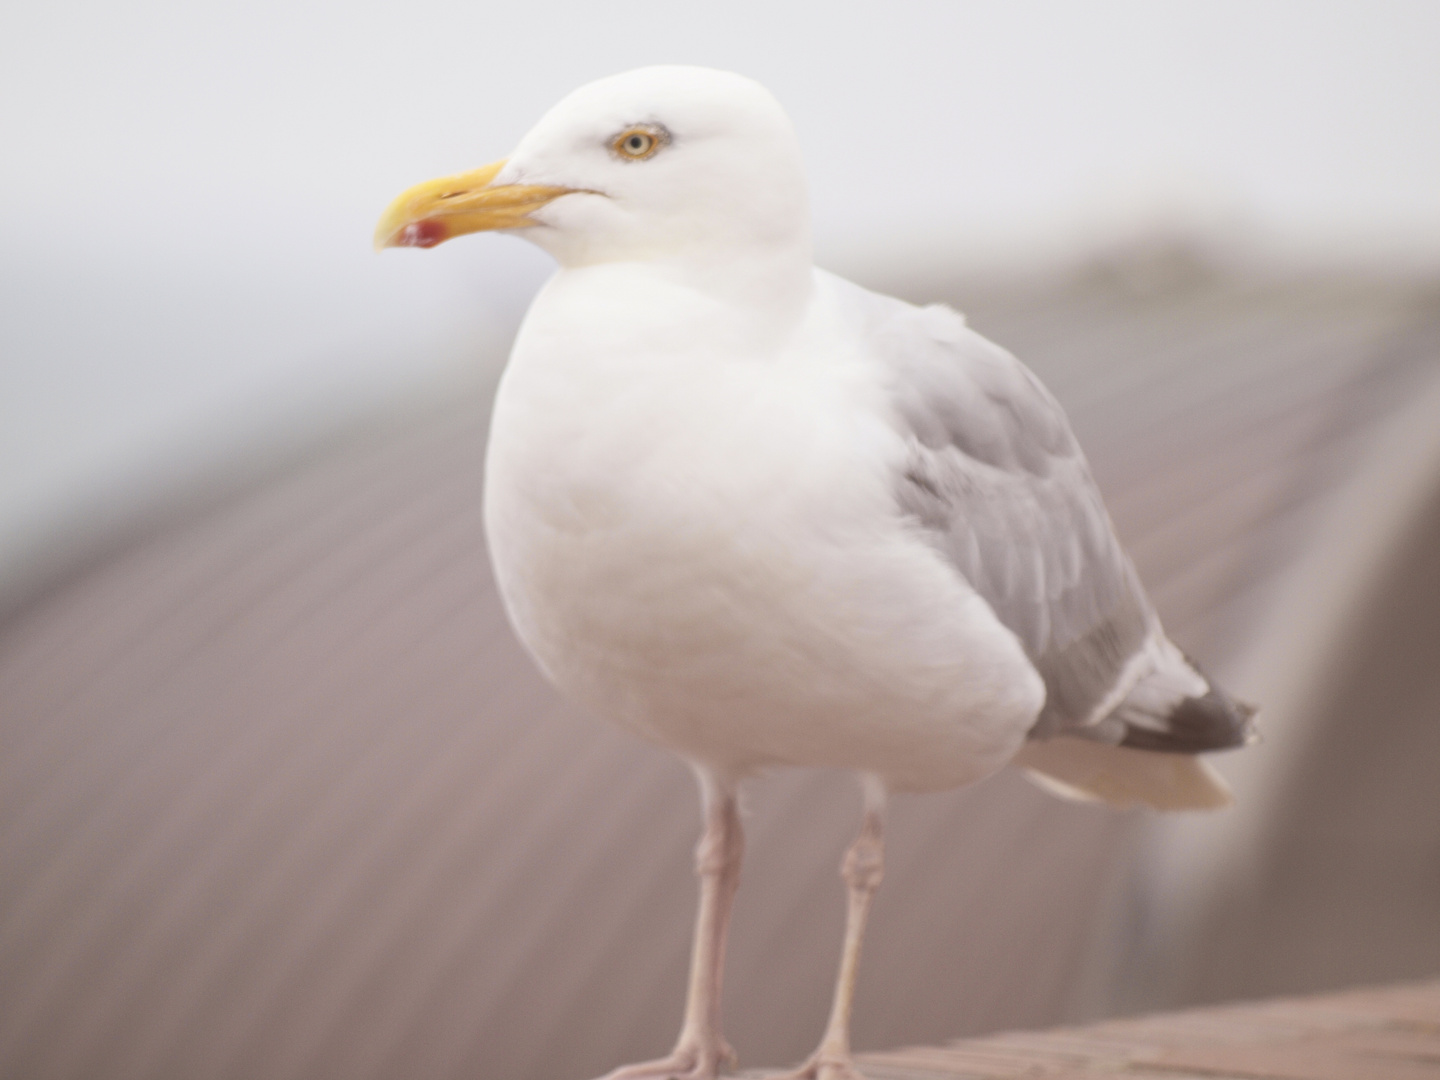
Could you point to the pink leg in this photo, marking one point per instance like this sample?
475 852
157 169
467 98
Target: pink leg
701 1051
862 870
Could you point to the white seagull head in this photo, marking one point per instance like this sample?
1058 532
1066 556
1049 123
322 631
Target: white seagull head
658 164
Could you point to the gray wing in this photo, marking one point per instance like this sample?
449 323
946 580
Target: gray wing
995 478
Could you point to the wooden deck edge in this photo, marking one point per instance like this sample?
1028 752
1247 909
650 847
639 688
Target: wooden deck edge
1373 1033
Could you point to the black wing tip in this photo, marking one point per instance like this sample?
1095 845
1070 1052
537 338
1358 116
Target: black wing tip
1198 725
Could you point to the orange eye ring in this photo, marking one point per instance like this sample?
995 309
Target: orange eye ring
638 143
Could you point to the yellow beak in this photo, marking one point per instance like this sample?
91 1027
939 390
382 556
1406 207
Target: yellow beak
433 212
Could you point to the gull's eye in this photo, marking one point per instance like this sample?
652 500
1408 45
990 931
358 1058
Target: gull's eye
638 143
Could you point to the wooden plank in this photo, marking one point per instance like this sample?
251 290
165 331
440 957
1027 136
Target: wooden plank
1375 1034
1398 1042
1317 1060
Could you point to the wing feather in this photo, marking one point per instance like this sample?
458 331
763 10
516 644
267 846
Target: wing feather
995 479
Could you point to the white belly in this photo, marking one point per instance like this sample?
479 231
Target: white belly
714 561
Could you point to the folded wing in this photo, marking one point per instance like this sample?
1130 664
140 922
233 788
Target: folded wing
995 480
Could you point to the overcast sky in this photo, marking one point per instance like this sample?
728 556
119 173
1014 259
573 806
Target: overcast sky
188 190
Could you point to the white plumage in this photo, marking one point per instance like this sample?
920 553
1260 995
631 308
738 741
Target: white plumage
718 560
763 517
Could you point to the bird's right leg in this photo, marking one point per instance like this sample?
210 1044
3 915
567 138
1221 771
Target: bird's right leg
701 1052
862 870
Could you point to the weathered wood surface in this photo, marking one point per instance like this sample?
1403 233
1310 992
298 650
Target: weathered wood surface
1390 1033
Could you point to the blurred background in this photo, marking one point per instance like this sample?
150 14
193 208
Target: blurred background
280 796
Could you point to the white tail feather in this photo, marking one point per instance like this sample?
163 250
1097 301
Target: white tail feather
1083 769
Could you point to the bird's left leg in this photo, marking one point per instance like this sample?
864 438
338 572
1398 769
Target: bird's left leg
862 870
701 1051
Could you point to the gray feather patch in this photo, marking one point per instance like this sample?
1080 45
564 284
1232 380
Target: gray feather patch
996 481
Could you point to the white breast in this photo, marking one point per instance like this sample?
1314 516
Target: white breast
703 547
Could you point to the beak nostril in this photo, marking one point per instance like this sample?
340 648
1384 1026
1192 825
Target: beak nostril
453 194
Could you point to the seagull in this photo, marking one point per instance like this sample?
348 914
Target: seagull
762 516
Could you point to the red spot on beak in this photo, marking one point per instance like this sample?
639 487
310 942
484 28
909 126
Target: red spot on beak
421 234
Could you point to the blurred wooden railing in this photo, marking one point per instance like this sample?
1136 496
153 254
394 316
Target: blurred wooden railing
1389 1033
